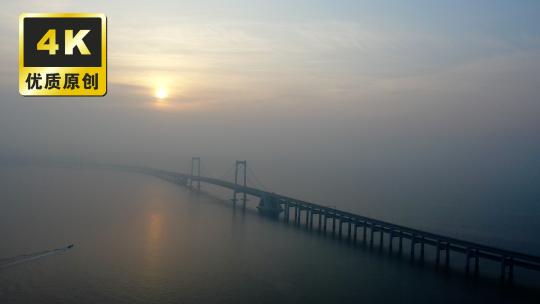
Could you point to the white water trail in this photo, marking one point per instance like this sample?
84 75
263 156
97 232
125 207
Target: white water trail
20 259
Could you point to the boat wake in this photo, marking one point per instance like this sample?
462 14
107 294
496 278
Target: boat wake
20 259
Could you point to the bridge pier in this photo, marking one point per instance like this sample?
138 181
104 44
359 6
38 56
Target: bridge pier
413 243
438 253
422 243
372 231
333 225
319 220
447 256
507 262
340 227
309 218
269 206
364 232
470 255
381 237
391 240
467 261
325 222
440 247
349 231
476 263
400 242
503 268
355 232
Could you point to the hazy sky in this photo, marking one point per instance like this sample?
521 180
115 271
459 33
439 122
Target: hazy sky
376 101
214 53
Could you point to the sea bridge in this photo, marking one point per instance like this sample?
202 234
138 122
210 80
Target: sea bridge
353 227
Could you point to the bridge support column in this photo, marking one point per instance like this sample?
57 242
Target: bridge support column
270 206
333 225
381 238
372 232
507 262
422 245
467 261
438 253
286 213
349 231
391 240
364 233
340 227
413 244
355 233
400 242
503 269
307 218
447 255
319 219
511 270
325 222
476 262
311 220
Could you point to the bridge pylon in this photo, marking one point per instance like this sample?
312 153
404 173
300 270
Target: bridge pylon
195 171
240 178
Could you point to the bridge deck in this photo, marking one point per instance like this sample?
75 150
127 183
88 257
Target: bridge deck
508 258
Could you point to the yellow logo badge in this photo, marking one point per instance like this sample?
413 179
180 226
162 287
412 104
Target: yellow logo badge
62 54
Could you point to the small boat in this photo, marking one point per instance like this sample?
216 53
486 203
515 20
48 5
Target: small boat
70 246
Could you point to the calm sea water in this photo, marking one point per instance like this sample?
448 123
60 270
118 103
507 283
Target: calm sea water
142 240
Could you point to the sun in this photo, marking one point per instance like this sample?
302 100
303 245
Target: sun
161 93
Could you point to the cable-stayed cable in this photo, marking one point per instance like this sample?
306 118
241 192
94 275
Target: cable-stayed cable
256 179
